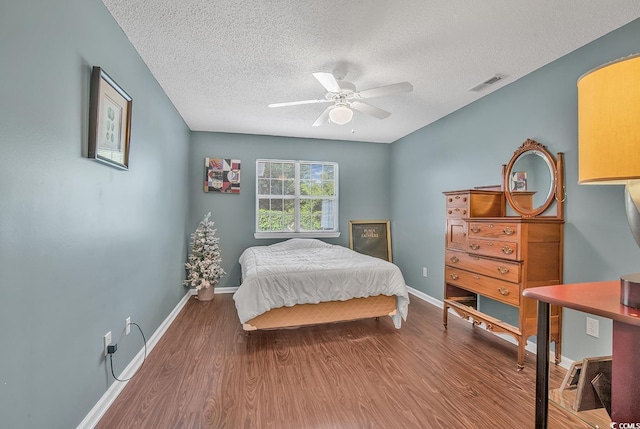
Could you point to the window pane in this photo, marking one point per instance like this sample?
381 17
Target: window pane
328 189
262 169
289 216
305 171
263 186
305 187
329 171
263 214
276 187
289 170
289 187
276 170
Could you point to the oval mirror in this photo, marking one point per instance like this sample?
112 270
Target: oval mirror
530 179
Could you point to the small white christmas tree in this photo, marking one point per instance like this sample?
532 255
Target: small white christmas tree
204 268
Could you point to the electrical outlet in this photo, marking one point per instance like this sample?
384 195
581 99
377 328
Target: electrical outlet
424 271
592 327
127 325
107 341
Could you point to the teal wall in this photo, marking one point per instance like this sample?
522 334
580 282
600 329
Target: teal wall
364 186
468 147
82 245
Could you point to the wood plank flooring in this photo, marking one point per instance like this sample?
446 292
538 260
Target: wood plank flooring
206 372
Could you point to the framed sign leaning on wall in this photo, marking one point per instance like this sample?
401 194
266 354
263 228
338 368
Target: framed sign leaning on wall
371 237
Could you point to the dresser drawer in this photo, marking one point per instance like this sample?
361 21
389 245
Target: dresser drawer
457 200
457 212
457 206
497 230
502 291
494 248
499 269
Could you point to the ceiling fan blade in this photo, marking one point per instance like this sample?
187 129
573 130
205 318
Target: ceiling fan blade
370 110
296 103
328 81
323 118
385 90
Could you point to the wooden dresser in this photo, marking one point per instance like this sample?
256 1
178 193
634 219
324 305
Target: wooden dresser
498 257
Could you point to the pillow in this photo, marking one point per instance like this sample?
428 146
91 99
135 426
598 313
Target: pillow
299 243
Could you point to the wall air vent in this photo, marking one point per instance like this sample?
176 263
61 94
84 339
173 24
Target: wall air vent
482 85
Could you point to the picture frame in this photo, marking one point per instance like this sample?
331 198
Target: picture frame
222 175
572 377
586 395
371 237
109 121
518 181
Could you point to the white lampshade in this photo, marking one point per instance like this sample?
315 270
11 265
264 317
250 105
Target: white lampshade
340 114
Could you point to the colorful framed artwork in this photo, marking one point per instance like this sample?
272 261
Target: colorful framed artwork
109 121
222 175
371 237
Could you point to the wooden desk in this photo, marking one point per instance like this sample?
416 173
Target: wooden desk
601 299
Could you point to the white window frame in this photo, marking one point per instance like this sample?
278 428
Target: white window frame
297 197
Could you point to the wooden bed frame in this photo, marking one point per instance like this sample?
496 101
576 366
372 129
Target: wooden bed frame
324 312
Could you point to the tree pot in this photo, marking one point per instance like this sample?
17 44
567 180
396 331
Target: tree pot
206 293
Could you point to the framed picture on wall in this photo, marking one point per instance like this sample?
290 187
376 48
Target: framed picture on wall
371 237
222 175
109 121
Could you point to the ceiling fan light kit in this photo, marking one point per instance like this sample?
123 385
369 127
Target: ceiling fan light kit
341 114
344 97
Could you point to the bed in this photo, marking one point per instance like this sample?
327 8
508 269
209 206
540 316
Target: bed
302 282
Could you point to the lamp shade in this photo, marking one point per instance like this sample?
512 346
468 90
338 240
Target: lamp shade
609 123
340 114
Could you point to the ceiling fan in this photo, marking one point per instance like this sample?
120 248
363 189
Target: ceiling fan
345 99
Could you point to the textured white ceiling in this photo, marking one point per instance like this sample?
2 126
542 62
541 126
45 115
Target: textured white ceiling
222 62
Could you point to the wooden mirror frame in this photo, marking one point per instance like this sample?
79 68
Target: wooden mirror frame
557 180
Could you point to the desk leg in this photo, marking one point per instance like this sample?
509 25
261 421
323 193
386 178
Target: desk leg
625 395
542 366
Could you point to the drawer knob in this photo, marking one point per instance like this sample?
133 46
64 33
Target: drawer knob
450 212
507 250
508 231
450 200
454 276
475 246
503 291
464 212
464 199
454 259
490 225
475 229
503 270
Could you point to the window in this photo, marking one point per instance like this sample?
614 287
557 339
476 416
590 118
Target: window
296 199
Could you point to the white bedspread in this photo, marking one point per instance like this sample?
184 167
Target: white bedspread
308 271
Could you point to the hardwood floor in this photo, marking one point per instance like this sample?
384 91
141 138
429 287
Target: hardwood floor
206 372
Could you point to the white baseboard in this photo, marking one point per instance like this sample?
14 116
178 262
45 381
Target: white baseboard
101 407
530 347
226 289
